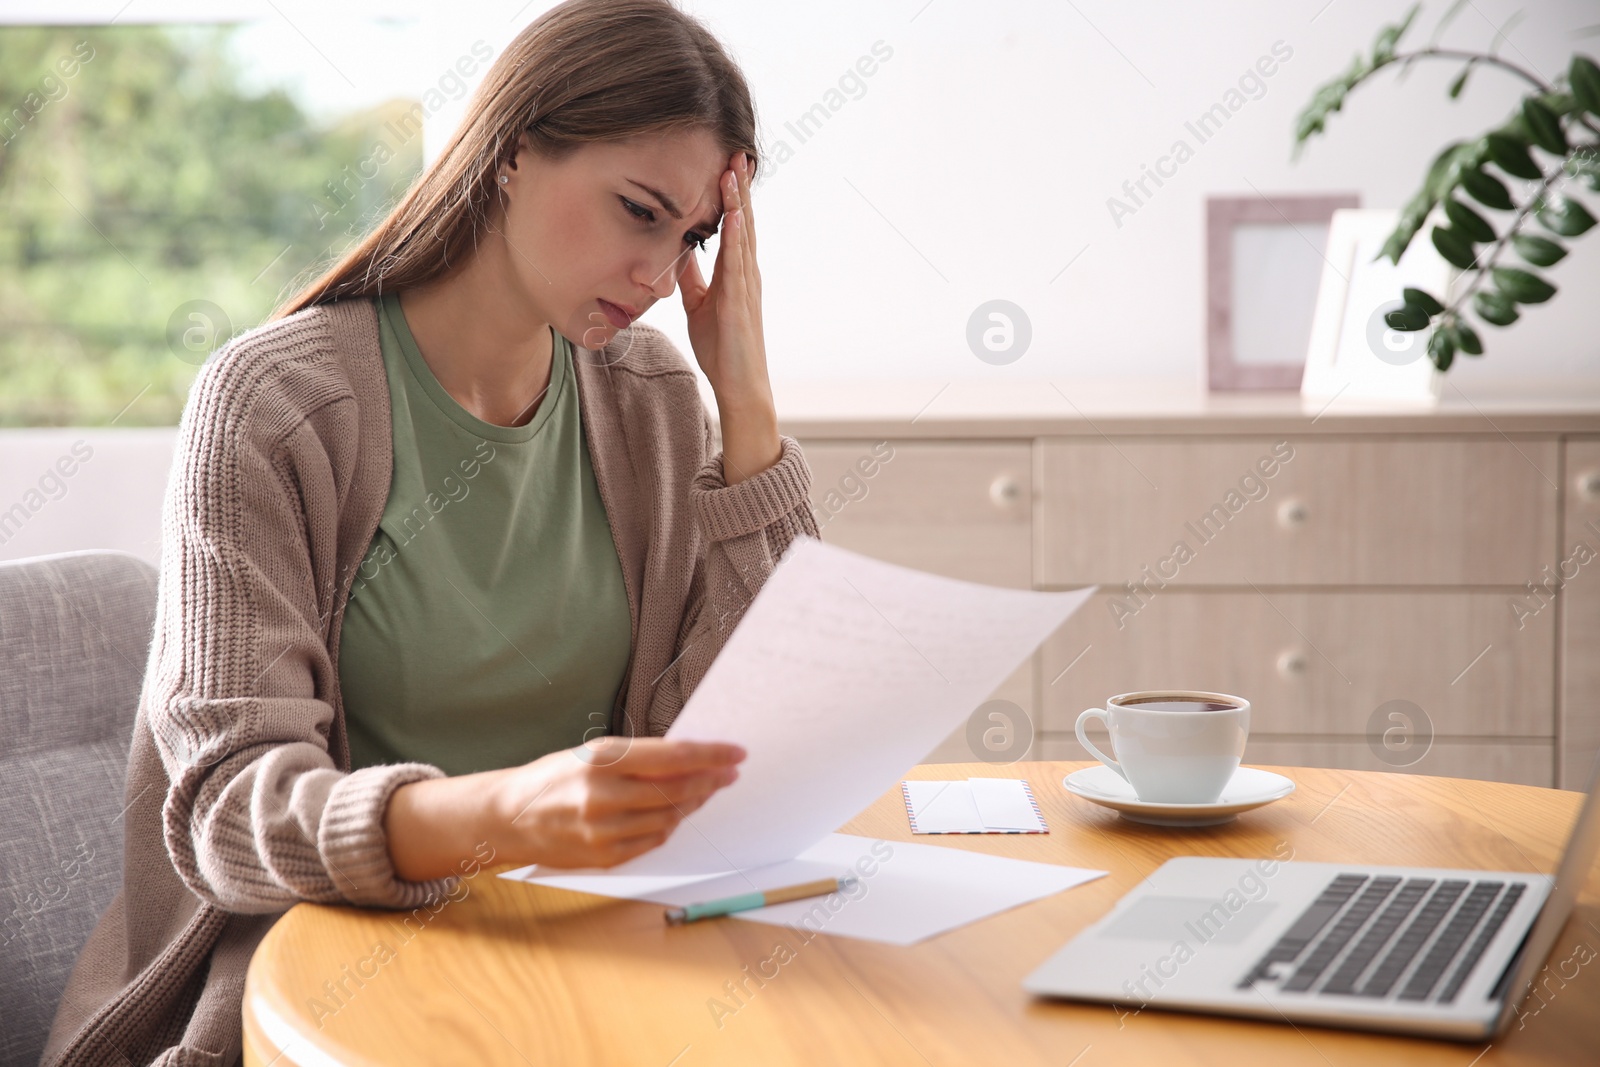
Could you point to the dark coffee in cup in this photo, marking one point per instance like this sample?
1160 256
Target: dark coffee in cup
1164 704
1173 746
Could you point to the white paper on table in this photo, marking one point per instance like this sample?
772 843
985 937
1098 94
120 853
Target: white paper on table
844 672
974 806
907 892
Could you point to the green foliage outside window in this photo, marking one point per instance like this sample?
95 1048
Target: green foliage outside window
151 207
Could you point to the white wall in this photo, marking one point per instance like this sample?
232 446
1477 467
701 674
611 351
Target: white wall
978 161
83 487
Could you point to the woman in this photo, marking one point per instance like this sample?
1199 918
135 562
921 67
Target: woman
434 577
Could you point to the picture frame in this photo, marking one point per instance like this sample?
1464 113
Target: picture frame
1264 264
1352 352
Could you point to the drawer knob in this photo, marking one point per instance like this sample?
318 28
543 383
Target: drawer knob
1292 513
1291 664
1005 491
1589 484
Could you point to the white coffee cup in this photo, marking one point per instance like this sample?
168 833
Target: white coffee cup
1173 746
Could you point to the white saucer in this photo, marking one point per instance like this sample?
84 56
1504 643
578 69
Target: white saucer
1248 788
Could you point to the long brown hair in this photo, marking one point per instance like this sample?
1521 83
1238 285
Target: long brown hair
585 71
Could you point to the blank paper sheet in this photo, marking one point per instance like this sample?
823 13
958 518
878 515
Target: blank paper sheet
843 674
907 891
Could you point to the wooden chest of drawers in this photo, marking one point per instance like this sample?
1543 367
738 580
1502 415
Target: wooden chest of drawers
1414 591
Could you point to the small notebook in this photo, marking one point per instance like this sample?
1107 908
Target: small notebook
974 806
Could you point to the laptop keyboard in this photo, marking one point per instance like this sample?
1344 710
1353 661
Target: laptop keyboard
1378 927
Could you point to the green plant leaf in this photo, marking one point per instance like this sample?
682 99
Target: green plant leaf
1441 349
1584 165
1466 338
1468 221
1561 102
1407 318
1524 287
1311 120
1389 36
1584 77
1443 173
1398 241
1494 308
1461 79
1543 127
1539 251
1486 189
1511 156
1411 219
1566 217
1328 98
1383 46
1453 247
1420 298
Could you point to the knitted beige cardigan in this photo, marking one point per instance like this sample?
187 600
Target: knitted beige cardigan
240 798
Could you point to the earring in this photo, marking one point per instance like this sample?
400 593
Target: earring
504 179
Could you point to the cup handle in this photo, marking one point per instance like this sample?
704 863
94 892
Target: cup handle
1083 739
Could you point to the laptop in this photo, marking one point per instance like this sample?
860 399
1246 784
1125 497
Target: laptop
1417 950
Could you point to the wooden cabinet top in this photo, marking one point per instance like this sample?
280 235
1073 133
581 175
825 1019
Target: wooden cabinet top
1020 408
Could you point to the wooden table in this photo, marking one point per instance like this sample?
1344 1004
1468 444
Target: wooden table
511 973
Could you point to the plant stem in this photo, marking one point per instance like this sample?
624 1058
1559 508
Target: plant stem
1478 57
1481 57
1452 313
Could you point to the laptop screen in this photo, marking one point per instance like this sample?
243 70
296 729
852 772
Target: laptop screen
1582 845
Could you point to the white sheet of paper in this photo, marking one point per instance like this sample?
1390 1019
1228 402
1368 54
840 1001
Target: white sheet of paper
907 892
844 672
974 806
943 807
1003 804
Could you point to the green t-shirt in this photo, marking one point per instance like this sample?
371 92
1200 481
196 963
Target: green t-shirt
488 623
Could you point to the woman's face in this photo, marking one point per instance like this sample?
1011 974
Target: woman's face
610 224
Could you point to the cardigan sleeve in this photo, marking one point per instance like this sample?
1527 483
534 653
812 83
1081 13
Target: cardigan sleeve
257 816
746 528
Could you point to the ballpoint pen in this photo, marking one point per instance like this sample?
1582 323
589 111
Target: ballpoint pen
759 899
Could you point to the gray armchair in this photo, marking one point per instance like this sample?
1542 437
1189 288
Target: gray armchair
75 630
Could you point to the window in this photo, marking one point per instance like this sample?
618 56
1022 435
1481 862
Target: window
163 187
